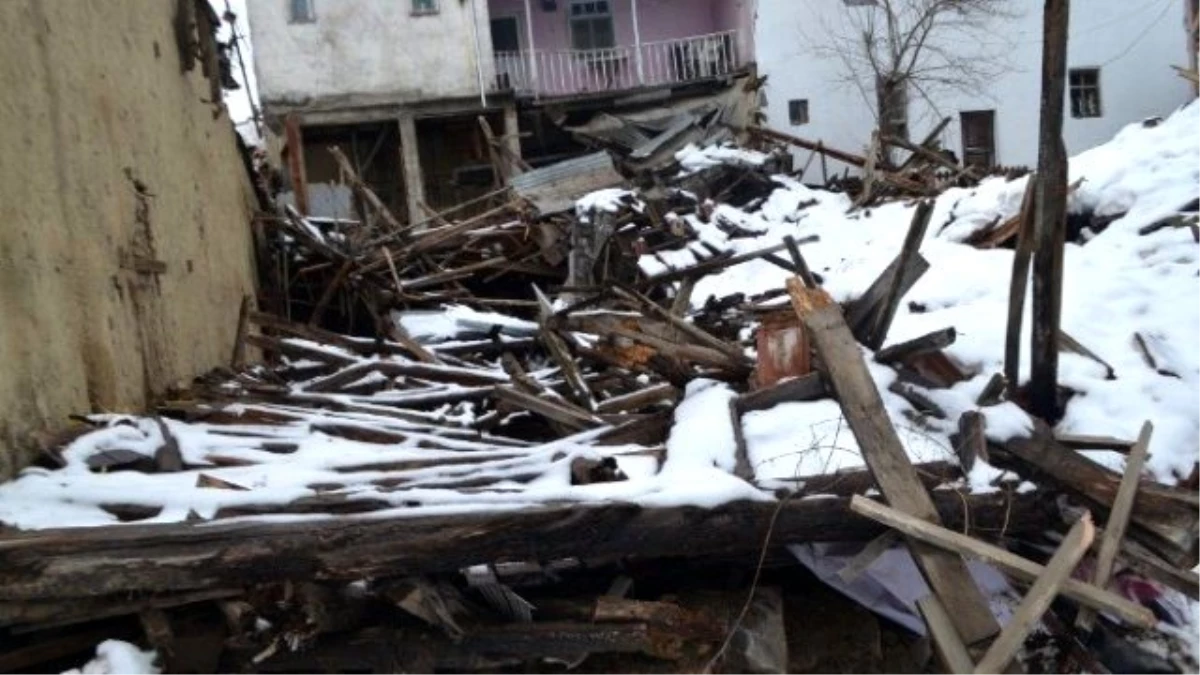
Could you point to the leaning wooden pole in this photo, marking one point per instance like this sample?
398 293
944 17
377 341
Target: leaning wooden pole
1050 214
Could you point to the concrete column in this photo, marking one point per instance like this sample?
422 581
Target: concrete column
533 71
512 130
637 43
410 164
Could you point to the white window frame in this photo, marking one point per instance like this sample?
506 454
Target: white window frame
572 18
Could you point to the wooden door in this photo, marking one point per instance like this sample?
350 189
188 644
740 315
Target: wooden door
979 138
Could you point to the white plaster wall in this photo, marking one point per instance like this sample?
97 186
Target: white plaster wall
373 50
1133 43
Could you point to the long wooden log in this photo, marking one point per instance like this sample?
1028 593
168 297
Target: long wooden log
81 563
885 457
938 339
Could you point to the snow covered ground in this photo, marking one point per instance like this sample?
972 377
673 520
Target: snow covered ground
1116 284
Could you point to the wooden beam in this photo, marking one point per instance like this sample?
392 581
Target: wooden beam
861 312
1118 519
1017 285
806 388
886 458
1019 567
68 564
1165 519
891 300
1037 600
930 342
295 161
950 648
1050 215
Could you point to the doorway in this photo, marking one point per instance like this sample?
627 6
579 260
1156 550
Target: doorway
979 138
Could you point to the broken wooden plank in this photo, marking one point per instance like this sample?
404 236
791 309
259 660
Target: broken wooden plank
1164 519
1017 286
806 388
798 261
691 330
950 648
938 339
1085 442
993 391
882 321
860 312
710 266
886 458
1118 520
362 190
1015 565
1037 600
641 398
1068 343
1155 353
568 415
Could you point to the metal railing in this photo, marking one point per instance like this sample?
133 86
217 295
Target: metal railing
570 72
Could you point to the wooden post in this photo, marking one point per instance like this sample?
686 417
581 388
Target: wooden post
1016 287
1118 520
296 170
1050 214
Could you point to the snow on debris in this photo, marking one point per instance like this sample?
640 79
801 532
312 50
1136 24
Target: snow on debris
692 158
1119 283
116 657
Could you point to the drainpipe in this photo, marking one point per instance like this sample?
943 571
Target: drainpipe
533 73
637 45
478 55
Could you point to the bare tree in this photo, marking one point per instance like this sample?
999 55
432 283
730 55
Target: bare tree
892 49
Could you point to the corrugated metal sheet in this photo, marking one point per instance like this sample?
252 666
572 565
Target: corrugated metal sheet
555 188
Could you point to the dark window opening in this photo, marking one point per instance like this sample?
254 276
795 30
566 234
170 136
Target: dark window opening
798 111
1085 92
302 11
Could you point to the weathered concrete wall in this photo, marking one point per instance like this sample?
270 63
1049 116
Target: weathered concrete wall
368 52
94 105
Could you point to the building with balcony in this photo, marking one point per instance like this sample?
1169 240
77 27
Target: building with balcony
401 86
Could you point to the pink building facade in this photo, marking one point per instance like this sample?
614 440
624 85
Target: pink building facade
551 48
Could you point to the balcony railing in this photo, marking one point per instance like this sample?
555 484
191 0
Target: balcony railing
570 72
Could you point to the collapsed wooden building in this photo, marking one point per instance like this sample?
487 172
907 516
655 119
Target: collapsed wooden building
457 453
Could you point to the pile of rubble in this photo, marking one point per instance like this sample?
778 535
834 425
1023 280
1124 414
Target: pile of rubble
544 445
